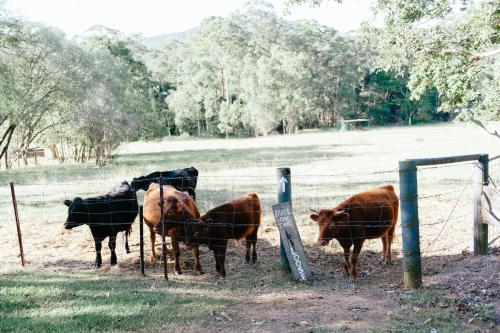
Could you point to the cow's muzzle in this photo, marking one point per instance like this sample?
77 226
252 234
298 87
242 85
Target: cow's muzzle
322 242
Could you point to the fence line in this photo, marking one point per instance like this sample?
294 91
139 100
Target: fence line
313 186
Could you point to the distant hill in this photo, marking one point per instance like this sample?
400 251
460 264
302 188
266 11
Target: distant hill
154 41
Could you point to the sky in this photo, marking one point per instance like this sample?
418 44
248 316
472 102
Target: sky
155 17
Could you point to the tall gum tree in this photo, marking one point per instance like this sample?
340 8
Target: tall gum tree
450 45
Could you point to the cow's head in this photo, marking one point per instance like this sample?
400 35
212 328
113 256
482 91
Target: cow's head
197 231
175 215
329 221
77 213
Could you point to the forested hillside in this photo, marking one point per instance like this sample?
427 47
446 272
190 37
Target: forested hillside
249 74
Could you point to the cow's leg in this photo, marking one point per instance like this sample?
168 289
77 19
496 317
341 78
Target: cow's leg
252 240
254 252
390 238
197 265
152 236
222 259
247 254
347 256
177 254
216 256
354 258
112 247
98 247
384 247
125 242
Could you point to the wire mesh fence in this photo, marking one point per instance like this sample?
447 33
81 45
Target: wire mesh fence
445 203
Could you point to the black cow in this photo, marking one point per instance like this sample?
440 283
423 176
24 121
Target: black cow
183 180
106 216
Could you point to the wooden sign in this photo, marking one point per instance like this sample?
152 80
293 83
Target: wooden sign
490 203
290 238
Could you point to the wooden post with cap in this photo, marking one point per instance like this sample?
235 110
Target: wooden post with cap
284 195
141 235
410 224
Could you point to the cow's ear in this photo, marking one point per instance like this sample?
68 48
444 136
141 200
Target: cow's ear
67 202
314 217
341 215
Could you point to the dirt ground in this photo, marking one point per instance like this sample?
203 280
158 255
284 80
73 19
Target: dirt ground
267 301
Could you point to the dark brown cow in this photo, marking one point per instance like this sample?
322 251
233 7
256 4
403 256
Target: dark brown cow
370 214
236 219
178 207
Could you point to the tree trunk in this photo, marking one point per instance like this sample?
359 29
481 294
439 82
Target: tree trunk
7 135
7 164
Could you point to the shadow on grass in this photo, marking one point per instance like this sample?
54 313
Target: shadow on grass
116 301
65 302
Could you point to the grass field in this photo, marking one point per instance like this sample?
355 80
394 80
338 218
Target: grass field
60 291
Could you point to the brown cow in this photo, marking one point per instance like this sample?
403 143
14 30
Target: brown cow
178 207
236 219
369 214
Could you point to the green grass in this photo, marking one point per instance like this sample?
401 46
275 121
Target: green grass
50 302
425 310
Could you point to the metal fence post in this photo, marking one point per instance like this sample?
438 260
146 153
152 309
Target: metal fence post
480 228
141 235
18 226
163 242
410 224
284 195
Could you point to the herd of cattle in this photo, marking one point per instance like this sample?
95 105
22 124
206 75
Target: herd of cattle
366 215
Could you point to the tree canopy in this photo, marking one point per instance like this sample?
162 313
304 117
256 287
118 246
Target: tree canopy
248 74
449 45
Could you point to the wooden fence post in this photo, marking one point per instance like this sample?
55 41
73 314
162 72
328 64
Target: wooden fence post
480 228
18 226
284 195
410 224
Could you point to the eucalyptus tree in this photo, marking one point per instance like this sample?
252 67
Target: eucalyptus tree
254 73
116 97
10 37
449 45
40 78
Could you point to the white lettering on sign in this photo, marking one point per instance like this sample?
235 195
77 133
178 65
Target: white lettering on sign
298 263
285 221
282 212
284 216
283 182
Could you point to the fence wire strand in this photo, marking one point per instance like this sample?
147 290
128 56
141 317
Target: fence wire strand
311 191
